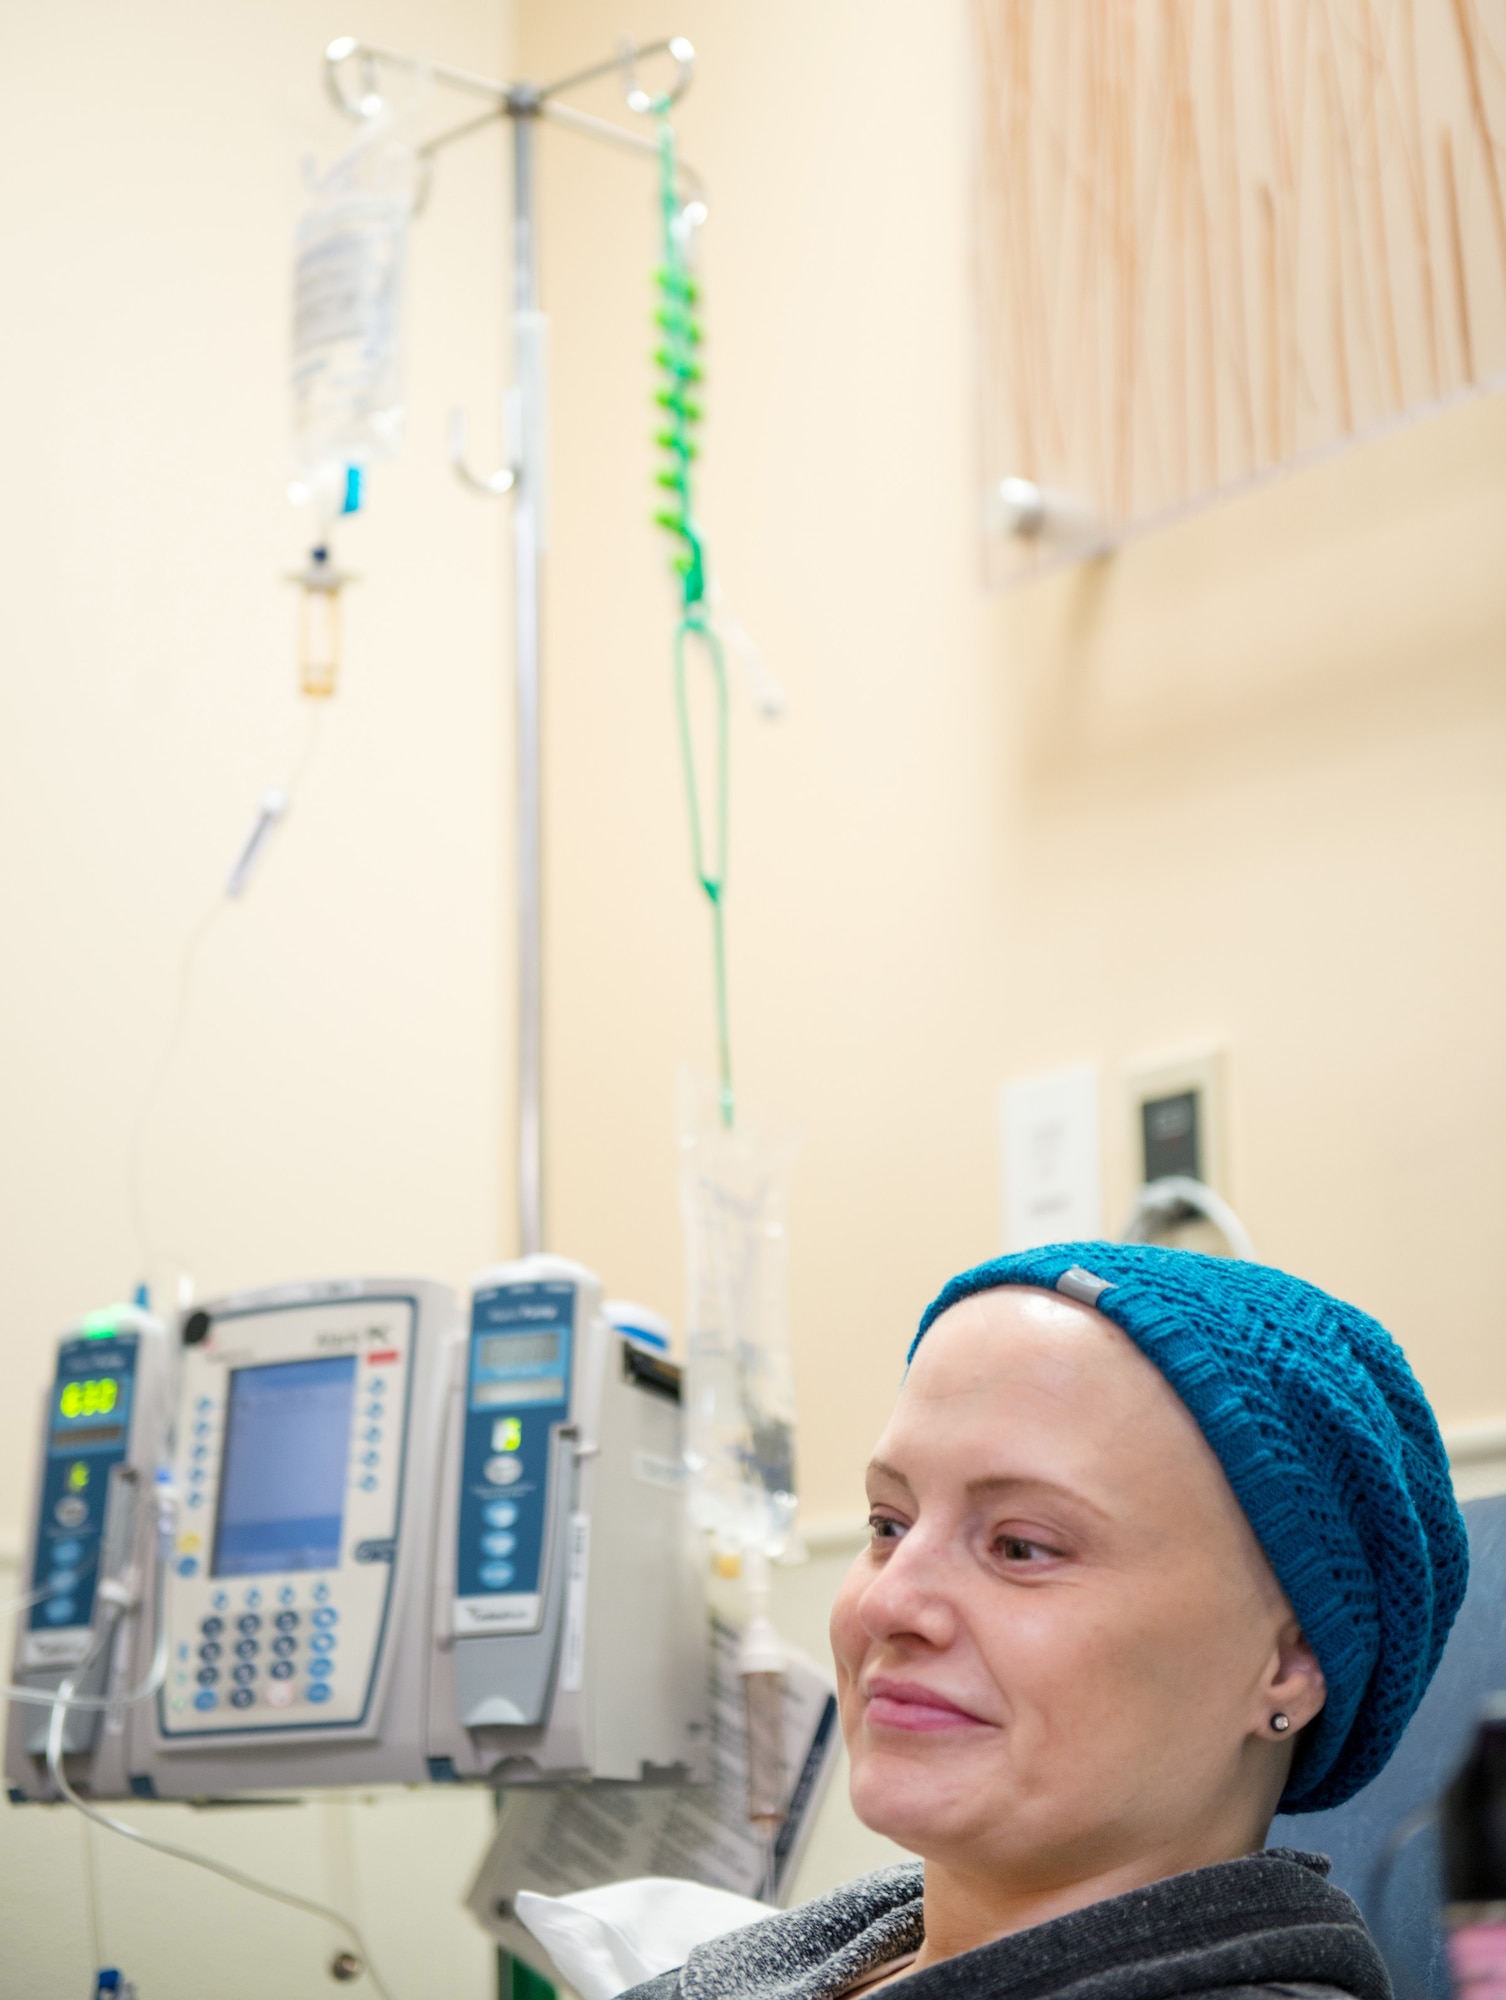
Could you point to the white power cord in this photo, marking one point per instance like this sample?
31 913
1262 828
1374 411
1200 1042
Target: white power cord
1168 1200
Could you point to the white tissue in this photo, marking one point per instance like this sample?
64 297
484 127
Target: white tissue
603 1941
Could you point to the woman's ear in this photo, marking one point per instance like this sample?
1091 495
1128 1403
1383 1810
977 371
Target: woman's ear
1294 1685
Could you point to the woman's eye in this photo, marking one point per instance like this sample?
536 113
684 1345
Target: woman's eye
884 1528
1015 1548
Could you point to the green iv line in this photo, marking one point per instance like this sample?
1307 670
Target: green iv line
676 359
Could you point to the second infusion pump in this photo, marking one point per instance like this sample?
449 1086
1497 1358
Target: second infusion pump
406 1547
306 1429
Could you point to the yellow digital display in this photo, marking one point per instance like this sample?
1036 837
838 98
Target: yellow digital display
78 1476
511 1429
95 1397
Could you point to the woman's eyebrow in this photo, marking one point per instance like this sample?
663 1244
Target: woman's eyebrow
1025 1483
881 1469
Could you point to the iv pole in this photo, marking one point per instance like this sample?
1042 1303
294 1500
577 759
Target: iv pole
523 104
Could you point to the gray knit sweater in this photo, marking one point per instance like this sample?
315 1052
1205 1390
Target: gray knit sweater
1267 1927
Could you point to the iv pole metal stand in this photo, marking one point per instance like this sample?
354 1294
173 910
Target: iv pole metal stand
523 104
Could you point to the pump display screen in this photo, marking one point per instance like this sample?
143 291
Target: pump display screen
94 1396
518 1350
283 1480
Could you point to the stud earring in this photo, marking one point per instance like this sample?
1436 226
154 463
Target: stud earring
1281 1723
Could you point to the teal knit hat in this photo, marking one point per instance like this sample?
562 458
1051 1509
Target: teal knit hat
1332 1451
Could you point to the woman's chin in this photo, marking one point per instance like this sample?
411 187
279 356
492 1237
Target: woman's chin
911 1801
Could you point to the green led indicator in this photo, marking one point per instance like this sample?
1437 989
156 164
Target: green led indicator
101 1325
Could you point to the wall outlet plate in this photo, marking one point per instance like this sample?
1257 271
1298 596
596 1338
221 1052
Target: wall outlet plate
1178 1115
1049 1146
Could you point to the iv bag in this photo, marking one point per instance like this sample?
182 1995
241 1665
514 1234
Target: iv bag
349 254
740 1401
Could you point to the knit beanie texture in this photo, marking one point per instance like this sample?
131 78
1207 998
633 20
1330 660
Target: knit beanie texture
1332 1451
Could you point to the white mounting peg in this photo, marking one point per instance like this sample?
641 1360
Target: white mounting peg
494 484
1033 513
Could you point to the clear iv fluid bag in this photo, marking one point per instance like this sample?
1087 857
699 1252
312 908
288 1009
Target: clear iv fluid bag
350 253
740 1402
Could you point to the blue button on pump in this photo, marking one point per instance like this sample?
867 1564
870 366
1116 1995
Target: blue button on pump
319 1690
321 1642
500 1513
321 1669
372 1434
205 1698
62 1579
207 1676
285 1596
220 1600
321 1591
242 1698
195 1499
326 1615
371 1458
253 1598
212 1627
367 1483
498 1545
282 1670
188 1566
66 1553
496 1576
58 1610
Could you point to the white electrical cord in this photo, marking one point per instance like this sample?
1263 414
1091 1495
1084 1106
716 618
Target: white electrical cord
62 1702
1167 1200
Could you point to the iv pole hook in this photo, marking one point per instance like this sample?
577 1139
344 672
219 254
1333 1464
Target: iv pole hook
492 484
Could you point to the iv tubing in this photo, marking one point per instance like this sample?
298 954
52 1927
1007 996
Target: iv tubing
187 1855
247 857
119 1598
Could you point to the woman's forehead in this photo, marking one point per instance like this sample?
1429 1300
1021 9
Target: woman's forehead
1021 1382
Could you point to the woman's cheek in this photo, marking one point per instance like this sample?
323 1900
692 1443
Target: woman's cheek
849 1640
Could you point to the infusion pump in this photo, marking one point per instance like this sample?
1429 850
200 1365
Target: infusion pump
569 1625
404 1545
92 1544
304 1451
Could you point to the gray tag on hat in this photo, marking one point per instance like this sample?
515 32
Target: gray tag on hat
1083 1286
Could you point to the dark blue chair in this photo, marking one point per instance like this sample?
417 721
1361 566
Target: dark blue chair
1383 1847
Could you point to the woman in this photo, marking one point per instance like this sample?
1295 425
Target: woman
1160 1542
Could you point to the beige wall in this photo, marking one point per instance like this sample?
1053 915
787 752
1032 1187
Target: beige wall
339 1099
1243 781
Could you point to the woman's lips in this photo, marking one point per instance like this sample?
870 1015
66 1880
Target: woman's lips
909 1705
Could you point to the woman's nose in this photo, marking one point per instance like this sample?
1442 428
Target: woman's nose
912 1594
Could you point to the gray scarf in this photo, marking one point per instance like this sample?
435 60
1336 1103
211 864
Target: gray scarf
1268 1924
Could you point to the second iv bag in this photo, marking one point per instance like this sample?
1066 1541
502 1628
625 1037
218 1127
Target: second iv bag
740 1403
350 251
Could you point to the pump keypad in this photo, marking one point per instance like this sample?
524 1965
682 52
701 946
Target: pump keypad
285 1550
